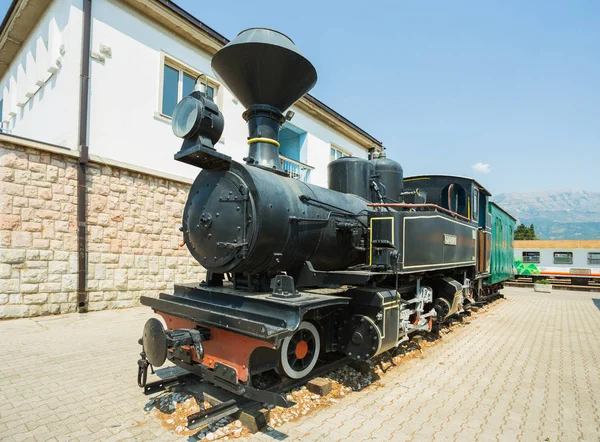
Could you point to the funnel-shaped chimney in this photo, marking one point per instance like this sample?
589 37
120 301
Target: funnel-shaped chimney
266 72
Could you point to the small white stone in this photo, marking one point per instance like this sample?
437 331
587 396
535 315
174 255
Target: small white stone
210 436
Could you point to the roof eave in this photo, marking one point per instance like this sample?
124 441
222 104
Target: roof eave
20 20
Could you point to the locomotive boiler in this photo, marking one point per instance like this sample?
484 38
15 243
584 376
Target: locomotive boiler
298 274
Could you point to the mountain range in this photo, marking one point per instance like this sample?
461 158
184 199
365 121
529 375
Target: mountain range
556 214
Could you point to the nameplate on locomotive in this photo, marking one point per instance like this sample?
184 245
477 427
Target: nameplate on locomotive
449 240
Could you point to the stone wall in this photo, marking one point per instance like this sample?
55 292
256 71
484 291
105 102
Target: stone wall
133 233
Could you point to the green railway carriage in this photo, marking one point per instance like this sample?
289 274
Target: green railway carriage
502 247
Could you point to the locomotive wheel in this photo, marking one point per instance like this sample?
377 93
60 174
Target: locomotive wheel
300 352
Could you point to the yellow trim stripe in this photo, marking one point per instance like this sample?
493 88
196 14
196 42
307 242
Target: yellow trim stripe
263 140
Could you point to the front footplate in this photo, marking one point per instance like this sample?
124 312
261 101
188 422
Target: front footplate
257 315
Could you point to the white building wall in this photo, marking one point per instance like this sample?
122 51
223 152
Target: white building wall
125 101
125 89
40 90
319 141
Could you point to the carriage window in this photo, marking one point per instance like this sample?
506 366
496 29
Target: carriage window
531 257
475 204
593 258
563 258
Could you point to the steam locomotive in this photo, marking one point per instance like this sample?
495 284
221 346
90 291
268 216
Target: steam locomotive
298 273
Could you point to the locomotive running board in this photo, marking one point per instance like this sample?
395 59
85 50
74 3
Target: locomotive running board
258 315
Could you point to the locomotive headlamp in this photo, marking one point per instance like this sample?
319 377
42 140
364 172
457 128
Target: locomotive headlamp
186 117
199 122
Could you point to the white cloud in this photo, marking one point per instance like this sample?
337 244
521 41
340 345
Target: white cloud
481 167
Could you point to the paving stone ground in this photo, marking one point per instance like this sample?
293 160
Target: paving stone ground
527 370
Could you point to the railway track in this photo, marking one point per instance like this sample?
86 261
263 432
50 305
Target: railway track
556 283
226 403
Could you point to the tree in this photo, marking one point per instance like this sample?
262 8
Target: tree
523 232
532 232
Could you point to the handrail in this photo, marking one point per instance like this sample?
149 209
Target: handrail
297 163
412 206
296 169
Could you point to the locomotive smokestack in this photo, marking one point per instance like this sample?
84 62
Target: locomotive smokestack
266 72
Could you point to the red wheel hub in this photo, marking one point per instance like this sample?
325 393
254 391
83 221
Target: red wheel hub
301 349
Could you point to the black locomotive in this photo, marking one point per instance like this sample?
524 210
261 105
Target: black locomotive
298 273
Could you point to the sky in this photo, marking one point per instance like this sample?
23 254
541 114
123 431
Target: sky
506 92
